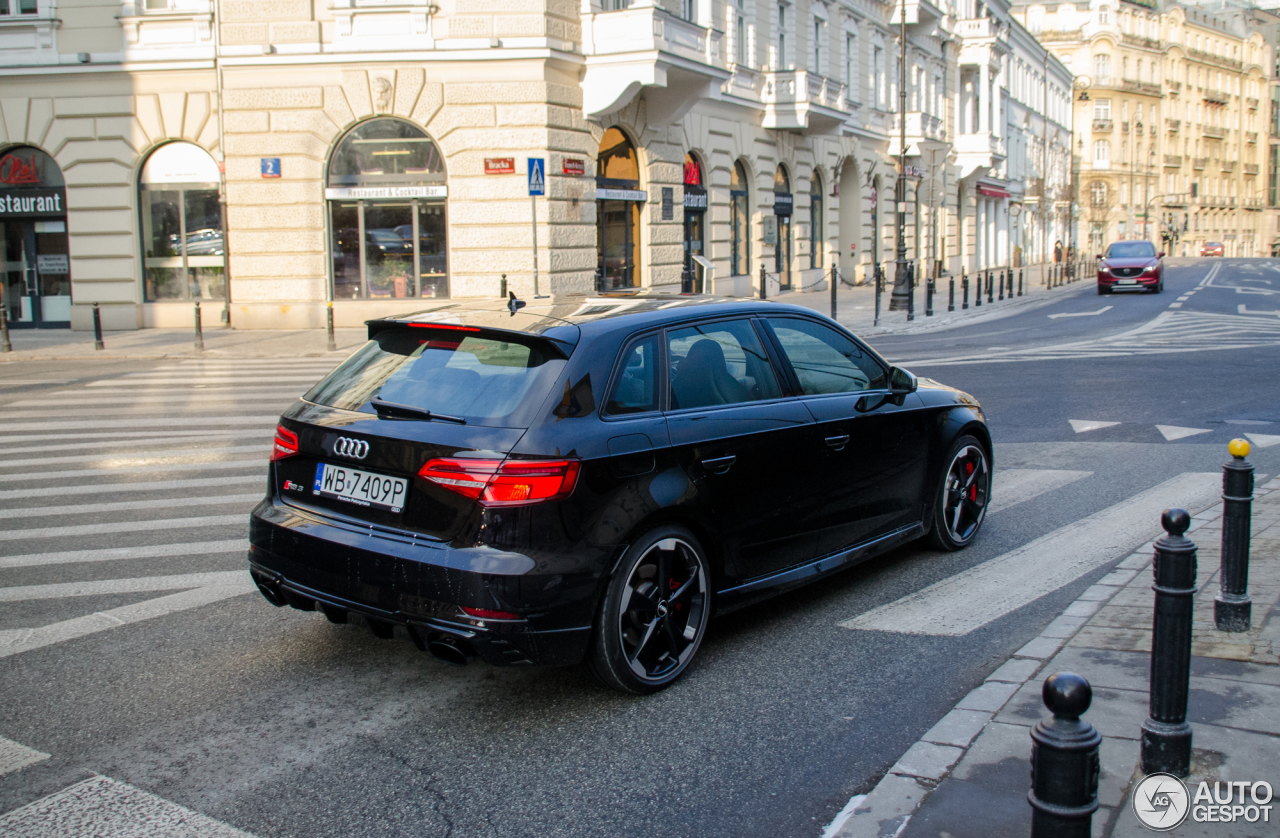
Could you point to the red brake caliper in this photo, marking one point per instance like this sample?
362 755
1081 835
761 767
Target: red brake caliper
674 585
973 490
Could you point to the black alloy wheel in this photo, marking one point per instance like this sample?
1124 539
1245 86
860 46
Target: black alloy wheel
960 506
654 613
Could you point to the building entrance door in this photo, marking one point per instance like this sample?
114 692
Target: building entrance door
692 248
36 268
782 255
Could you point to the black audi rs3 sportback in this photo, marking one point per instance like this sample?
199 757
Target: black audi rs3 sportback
589 480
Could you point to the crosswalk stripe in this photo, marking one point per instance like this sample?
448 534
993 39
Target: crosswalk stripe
101 807
102 472
119 436
132 488
125 505
130 585
110 554
1013 486
206 379
16 641
196 400
141 422
120 462
145 391
983 593
149 525
149 442
14 757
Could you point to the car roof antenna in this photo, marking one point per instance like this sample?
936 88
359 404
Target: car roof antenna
514 305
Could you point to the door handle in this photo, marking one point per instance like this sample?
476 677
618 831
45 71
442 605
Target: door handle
719 465
838 441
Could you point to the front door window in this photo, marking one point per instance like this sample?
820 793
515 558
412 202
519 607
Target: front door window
782 255
618 232
693 247
36 271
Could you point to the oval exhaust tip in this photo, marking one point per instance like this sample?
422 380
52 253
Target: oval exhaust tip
269 593
448 652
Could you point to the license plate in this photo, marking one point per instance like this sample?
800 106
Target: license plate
362 488
1128 282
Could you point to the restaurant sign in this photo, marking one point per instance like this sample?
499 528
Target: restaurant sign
33 203
360 193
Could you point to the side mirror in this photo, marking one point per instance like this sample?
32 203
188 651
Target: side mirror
1099 255
901 383
1160 255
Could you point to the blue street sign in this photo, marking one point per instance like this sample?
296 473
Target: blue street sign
271 167
537 176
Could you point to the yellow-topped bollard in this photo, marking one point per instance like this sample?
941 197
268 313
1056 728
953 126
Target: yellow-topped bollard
1239 448
1232 608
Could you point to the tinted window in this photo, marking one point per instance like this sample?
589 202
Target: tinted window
826 361
1129 250
719 363
636 389
485 380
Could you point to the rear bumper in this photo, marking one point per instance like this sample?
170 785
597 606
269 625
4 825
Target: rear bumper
311 564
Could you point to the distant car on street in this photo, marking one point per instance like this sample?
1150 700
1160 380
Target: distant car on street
1211 249
1131 266
587 480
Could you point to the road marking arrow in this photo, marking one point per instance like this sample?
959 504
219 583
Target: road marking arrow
1080 313
1263 440
1082 425
1172 432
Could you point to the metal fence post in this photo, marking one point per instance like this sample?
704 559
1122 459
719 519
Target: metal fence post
97 329
199 330
1232 608
328 316
1166 736
1064 761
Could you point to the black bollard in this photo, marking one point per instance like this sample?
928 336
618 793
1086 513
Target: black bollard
1064 762
991 277
951 293
1019 282
764 284
928 298
1166 736
1010 280
835 283
879 288
199 343
1001 286
5 345
97 329
502 287
911 292
977 290
1232 608
328 316
964 291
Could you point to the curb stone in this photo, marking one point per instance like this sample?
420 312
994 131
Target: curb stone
885 811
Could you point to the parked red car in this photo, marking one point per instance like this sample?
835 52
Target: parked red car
1131 266
1211 249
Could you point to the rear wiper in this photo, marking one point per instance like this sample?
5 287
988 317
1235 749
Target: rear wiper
392 408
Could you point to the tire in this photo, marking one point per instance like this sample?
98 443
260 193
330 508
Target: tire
642 641
1103 291
963 493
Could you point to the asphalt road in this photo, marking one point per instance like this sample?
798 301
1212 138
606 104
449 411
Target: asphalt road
277 723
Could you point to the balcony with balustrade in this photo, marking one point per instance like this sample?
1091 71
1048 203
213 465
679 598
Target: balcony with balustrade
1213 132
1198 163
805 101
1173 161
1251 103
1216 97
1250 168
644 47
1143 87
920 126
1173 126
1103 126
1250 136
1228 166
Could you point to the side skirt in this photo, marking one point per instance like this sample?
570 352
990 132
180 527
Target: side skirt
737 597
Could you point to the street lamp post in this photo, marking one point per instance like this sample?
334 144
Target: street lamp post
902 290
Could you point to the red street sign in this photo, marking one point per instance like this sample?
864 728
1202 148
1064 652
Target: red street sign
499 165
571 166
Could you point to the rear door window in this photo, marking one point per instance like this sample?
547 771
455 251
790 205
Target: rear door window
483 378
824 360
719 363
636 389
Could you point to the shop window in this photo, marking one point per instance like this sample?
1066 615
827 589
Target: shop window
18 7
739 222
388 217
183 257
695 208
782 204
35 262
618 199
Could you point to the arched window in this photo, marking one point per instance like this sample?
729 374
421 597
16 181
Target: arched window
739 221
36 274
618 198
183 257
816 232
386 193
783 201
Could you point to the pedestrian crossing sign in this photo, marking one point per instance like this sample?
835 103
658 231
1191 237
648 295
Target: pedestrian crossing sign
537 176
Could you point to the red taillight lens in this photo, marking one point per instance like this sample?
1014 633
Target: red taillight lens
487 614
286 444
509 483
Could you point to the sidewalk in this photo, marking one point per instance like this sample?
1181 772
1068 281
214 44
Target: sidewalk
968 776
855 307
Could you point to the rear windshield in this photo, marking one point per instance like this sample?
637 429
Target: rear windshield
1127 250
483 379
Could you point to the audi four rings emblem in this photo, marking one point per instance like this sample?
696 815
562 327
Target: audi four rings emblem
356 449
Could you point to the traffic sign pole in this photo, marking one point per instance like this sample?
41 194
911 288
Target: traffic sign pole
537 186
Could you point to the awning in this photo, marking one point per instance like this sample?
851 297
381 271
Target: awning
992 192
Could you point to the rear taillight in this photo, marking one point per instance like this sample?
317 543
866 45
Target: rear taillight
504 483
488 614
286 444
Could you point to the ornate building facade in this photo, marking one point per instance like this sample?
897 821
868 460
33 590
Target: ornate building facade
268 157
